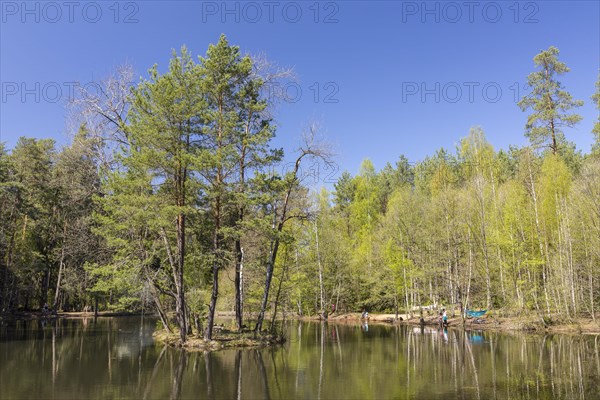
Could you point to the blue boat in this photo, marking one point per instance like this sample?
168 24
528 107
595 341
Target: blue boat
476 314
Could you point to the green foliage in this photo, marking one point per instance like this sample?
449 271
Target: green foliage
491 229
549 102
189 202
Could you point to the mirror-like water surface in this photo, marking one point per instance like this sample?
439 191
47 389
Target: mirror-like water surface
116 358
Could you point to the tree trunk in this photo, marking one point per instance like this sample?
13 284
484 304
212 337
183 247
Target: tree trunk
181 307
213 297
278 294
177 271
60 267
239 266
470 273
269 276
215 264
538 231
275 245
58 279
481 200
319 265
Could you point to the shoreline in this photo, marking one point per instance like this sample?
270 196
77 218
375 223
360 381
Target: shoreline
36 315
486 323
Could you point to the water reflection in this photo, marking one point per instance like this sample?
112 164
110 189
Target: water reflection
109 358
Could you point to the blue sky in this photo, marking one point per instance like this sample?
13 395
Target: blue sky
383 78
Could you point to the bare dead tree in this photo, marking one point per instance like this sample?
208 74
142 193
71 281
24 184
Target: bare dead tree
276 79
103 107
273 80
312 149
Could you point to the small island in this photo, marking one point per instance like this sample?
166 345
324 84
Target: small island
221 339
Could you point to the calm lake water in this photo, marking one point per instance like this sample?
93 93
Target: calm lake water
114 358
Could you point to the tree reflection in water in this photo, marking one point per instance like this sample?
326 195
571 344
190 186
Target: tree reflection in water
111 358
178 375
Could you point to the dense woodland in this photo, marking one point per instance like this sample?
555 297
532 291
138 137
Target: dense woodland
171 199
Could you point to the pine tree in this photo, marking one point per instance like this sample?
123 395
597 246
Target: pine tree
237 134
549 101
166 124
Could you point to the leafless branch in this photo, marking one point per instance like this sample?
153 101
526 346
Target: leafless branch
276 80
103 107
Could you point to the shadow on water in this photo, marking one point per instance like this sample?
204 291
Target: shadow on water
116 357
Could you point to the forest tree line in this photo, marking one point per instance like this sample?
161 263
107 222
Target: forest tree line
171 198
